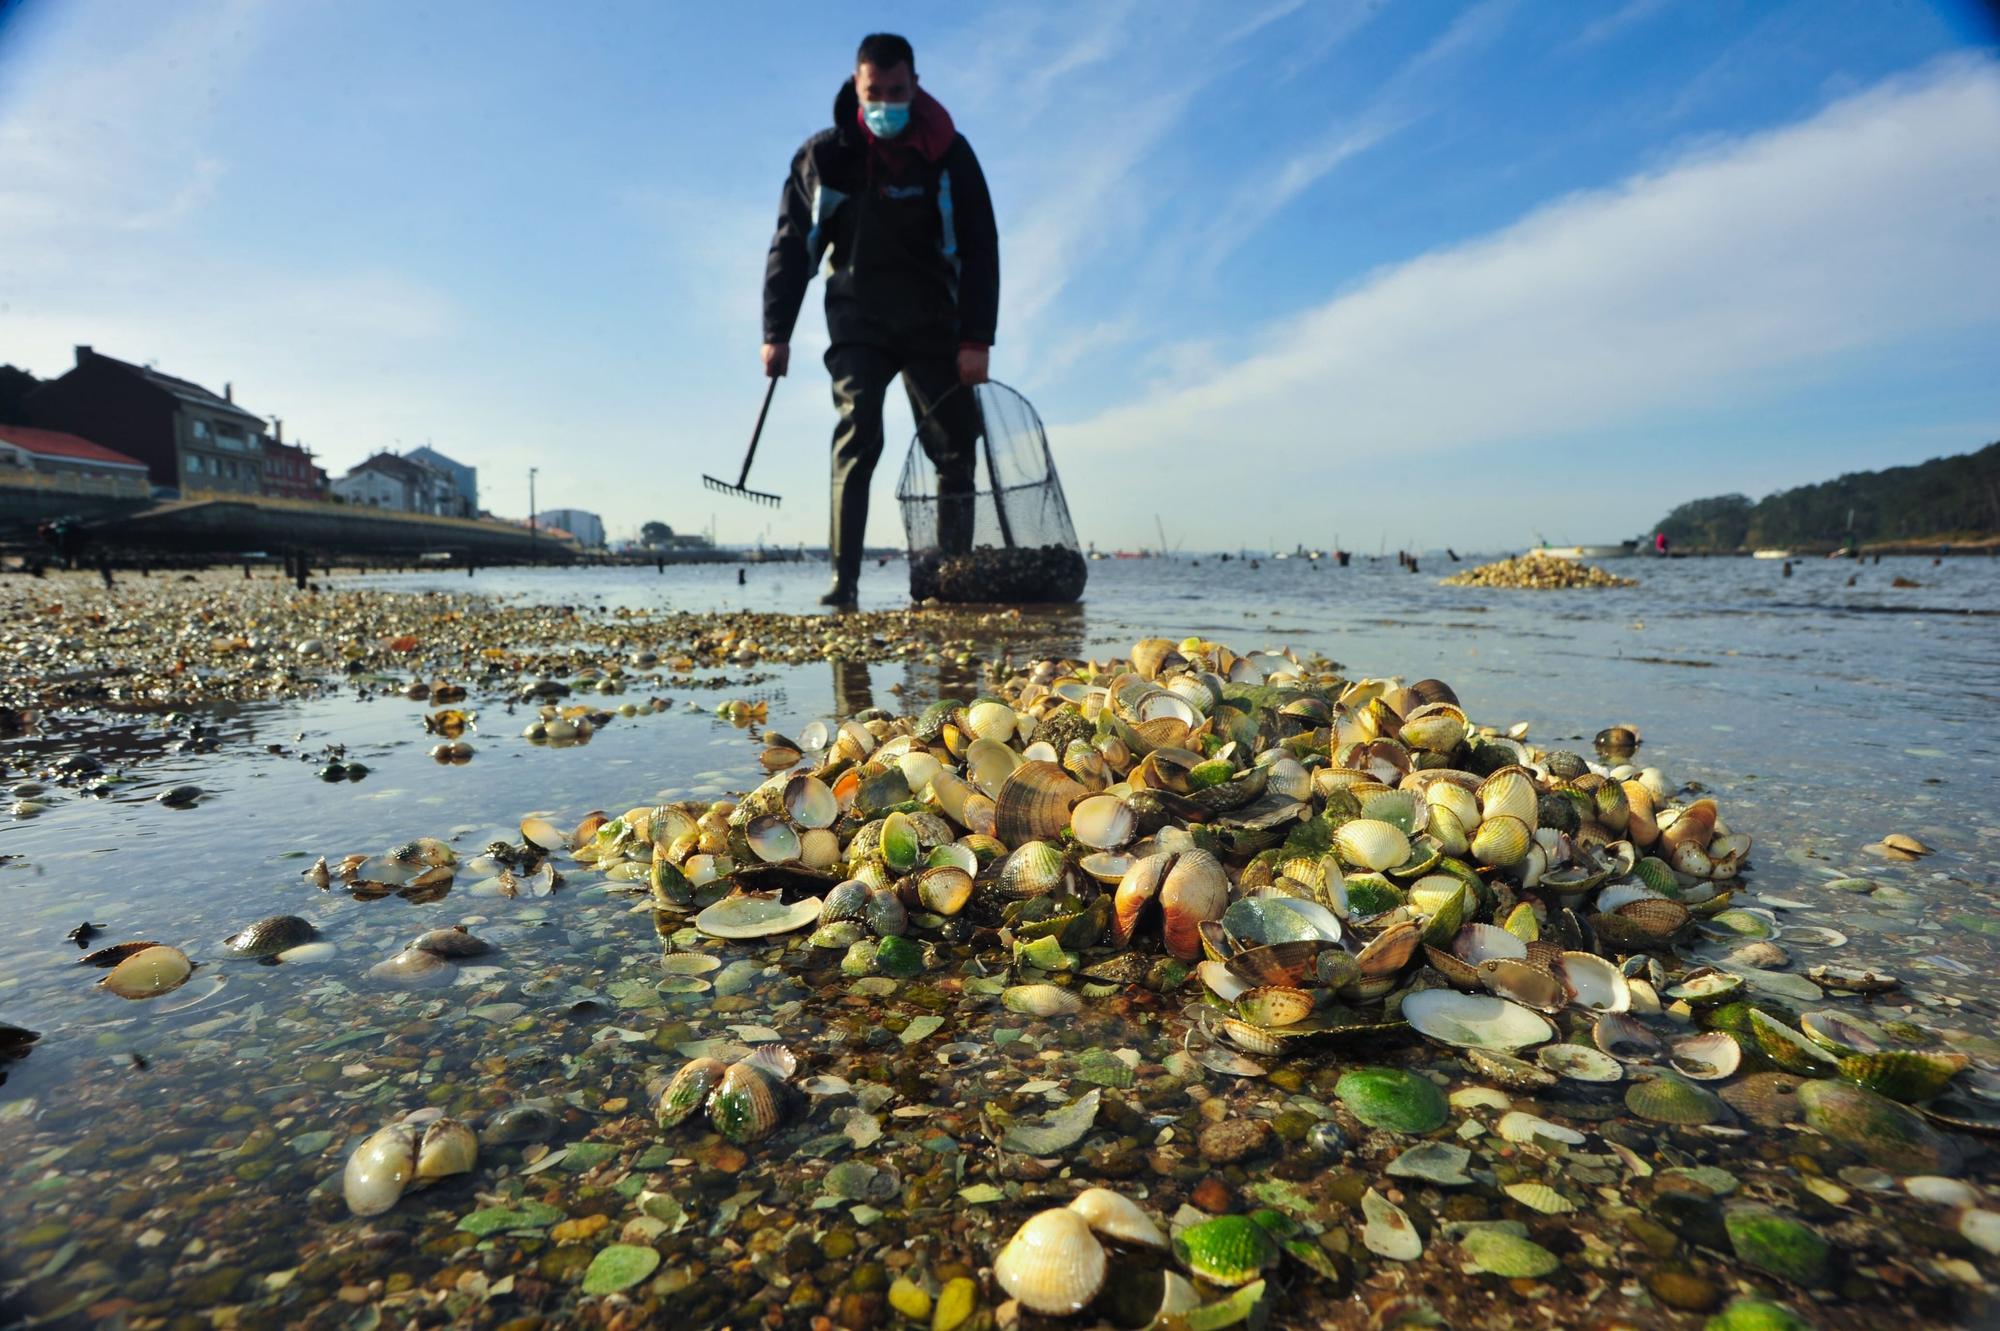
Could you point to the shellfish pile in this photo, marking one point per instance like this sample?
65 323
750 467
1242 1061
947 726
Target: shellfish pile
1538 572
1318 860
1016 575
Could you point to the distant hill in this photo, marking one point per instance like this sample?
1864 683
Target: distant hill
1954 498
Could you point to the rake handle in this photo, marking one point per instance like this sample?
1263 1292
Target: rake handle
757 433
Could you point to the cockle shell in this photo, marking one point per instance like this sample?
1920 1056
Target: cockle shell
1370 843
448 1147
380 1168
745 1106
1053 1264
1118 1217
1103 822
1501 840
1508 793
689 1089
1195 890
1034 803
945 889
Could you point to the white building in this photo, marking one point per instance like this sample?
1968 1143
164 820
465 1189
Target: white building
588 528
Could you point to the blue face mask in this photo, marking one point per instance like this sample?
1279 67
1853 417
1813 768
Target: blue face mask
886 120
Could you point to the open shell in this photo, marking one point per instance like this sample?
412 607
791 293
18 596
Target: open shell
1053 1264
1117 1217
1477 1021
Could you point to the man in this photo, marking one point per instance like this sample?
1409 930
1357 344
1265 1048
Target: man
893 199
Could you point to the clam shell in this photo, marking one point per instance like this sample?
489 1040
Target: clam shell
1389 951
1509 793
380 1168
1710 1056
270 936
1903 1074
1371 844
1523 982
1579 1062
990 720
1034 803
1103 822
810 801
744 1106
688 1090
1788 1048
1668 1099
1275 1005
448 1147
149 972
756 915
1477 1021
1195 890
1594 983
1275 964
413 968
1035 868
452 942
1501 840
844 901
1624 1038
1040 1000
1116 1216
1053 1264
944 890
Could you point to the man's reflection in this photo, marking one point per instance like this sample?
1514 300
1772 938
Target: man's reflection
853 690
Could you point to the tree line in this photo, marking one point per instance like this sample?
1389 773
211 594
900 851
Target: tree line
1954 498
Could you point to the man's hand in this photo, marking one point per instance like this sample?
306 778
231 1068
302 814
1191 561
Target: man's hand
778 359
972 365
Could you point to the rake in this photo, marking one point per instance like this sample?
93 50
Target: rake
724 487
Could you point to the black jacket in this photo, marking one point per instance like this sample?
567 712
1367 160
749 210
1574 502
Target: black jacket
913 259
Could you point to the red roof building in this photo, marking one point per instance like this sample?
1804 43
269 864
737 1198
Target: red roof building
54 450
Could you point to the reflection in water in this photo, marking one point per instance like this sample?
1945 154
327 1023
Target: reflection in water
853 689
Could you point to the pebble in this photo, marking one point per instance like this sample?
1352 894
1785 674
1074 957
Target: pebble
1232 1140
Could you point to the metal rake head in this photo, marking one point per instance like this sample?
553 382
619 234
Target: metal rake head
741 492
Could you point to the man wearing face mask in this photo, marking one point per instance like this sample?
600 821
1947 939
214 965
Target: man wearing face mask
893 200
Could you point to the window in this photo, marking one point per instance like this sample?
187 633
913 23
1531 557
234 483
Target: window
199 429
194 464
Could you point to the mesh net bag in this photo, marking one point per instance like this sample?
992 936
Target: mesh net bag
1006 539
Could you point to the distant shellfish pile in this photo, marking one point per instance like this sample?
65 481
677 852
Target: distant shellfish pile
1538 572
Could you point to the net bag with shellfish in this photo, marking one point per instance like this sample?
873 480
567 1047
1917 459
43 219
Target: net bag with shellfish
1008 540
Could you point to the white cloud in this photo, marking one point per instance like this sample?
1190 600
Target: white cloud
1689 288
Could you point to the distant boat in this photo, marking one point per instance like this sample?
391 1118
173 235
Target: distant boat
1771 554
1585 551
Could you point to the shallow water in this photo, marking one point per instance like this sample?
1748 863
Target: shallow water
179 1151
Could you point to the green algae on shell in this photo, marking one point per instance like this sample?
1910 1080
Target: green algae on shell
1789 1049
619 1266
1668 1099
1904 1074
1779 1245
1228 1251
1886 1134
1496 1252
1392 1099
1756 1315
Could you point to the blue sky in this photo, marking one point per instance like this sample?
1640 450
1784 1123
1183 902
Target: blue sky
1440 274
